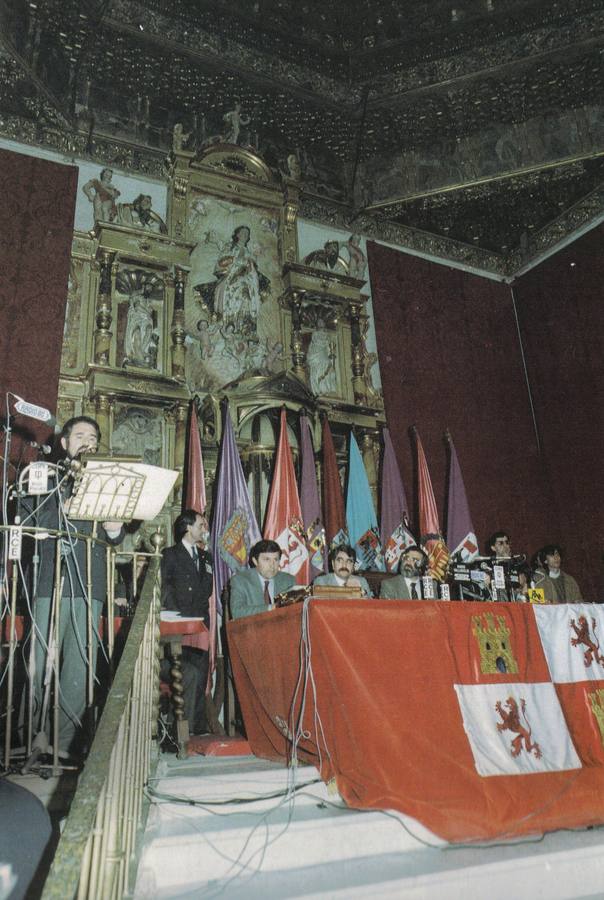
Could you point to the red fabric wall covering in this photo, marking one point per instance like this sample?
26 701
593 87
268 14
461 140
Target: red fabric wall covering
560 311
36 228
450 357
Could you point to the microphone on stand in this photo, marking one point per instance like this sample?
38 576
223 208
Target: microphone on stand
45 449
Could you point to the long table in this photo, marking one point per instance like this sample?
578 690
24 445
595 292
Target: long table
482 721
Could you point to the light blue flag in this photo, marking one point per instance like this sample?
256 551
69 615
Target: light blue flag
360 513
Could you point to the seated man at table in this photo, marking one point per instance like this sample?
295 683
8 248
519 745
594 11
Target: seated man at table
254 590
342 559
500 547
557 586
407 585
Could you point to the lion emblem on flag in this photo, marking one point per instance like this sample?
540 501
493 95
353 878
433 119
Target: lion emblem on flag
510 721
292 541
585 639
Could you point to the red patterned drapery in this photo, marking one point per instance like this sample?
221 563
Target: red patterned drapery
36 229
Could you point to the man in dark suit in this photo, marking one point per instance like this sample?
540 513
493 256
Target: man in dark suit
407 585
187 581
254 590
80 434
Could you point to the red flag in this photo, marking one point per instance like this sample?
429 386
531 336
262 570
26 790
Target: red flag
429 527
194 495
283 522
333 499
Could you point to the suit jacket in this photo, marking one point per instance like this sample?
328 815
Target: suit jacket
563 589
396 588
74 555
247 594
330 580
183 588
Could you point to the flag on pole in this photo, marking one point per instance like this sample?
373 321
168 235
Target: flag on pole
333 500
395 533
194 495
360 513
234 528
461 537
283 522
429 527
311 504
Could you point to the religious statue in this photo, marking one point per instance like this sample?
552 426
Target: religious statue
236 295
357 263
293 165
179 138
325 258
139 214
234 120
102 194
140 341
321 361
138 433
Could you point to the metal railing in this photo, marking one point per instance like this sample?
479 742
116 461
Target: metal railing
95 857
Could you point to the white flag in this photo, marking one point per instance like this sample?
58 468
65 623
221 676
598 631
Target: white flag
515 728
572 636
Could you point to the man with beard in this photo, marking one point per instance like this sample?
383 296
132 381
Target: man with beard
407 585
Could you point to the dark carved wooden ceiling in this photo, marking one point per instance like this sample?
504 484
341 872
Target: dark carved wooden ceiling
479 122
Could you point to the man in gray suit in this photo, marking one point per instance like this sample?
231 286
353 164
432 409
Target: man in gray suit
407 585
342 559
254 591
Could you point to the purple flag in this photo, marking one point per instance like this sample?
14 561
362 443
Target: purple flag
395 533
310 503
461 537
234 526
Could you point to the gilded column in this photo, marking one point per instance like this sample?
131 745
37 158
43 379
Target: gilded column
102 335
358 362
297 348
178 326
180 436
370 452
102 412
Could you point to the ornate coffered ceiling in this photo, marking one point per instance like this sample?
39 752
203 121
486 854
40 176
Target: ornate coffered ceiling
471 129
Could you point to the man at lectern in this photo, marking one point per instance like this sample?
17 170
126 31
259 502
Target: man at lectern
342 559
254 590
80 434
187 580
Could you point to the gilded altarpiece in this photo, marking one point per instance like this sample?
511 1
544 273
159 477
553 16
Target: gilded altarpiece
218 305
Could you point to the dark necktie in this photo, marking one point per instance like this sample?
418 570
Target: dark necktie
267 594
414 595
196 557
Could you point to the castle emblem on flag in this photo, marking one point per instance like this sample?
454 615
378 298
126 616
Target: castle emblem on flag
585 639
496 655
596 699
232 544
511 721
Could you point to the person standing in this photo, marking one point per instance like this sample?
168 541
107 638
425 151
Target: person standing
187 581
80 434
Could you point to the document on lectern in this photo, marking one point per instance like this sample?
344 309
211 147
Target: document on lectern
114 489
